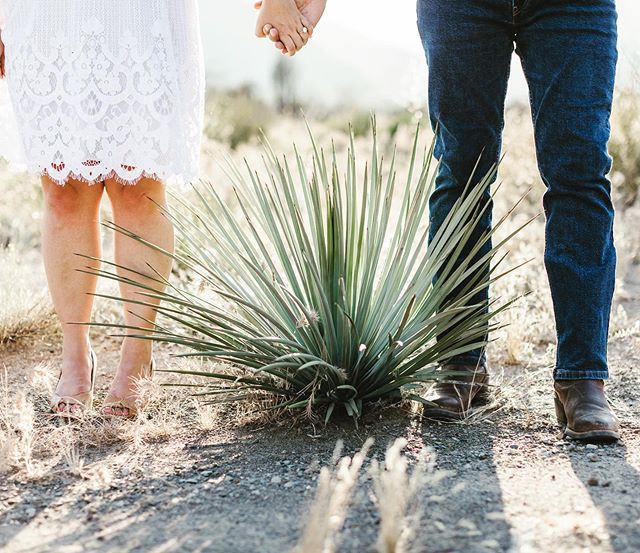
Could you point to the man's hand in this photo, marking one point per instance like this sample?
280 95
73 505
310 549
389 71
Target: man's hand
1 58
293 27
312 10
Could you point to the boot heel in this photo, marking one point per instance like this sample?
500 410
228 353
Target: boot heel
560 414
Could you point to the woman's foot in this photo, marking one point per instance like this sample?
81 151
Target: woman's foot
125 397
74 391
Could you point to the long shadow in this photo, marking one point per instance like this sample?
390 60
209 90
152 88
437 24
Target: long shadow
249 491
26 502
466 511
609 479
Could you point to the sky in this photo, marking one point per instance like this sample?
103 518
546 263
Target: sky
364 52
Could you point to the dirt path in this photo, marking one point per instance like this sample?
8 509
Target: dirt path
514 484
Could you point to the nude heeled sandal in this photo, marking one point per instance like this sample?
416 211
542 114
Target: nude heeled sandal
83 400
131 403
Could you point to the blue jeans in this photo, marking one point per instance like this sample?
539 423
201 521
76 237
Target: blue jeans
568 53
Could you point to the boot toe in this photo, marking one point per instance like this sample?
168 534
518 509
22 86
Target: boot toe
590 422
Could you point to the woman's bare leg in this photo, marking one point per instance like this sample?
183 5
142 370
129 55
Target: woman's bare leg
71 225
135 207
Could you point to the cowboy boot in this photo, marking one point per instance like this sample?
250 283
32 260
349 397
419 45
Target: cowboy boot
583 411
457 397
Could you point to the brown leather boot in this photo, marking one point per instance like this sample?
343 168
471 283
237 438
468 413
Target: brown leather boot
456 397
583 411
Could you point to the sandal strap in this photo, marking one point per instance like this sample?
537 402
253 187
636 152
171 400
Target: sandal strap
83 399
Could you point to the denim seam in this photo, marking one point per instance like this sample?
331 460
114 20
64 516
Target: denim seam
466 359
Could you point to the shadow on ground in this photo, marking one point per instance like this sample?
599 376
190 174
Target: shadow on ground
248 491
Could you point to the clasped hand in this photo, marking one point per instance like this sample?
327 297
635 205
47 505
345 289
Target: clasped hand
289 24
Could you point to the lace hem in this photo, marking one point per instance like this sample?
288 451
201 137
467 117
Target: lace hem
113 175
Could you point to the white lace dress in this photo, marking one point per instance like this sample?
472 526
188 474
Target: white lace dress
105 88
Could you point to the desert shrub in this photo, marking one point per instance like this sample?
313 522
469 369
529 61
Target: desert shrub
318 289
24 305
20 210
356 121
625 145
235 117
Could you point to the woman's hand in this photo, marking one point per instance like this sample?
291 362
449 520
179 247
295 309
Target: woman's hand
293 30
1 57
311 10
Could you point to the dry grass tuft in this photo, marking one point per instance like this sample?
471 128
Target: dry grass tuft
17 421
331 502
24 306
397 493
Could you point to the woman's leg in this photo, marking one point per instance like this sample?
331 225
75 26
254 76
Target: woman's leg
136 208
71 226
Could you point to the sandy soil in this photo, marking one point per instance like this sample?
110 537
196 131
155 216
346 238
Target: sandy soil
514 484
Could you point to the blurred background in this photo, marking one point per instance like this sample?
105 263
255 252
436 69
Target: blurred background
366 53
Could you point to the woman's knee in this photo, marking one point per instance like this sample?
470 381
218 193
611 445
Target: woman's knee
72 197
145 195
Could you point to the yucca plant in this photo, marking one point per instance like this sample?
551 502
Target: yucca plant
320 288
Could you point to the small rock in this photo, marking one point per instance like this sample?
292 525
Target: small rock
514 446
592 446
289 485
482 456
276 480
593 481
439 525
466 524
592 457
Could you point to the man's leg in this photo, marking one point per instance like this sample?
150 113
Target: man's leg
468 45
568 52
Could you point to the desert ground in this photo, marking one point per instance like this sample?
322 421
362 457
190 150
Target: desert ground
187 476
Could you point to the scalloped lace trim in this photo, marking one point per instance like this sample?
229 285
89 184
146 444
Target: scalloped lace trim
113 174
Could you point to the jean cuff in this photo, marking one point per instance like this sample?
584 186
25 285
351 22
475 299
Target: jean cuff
580 374
472 360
